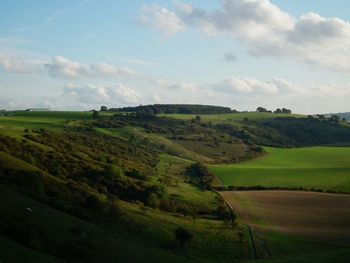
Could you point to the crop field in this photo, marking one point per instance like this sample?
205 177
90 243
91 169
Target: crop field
318 217
233 117
312 168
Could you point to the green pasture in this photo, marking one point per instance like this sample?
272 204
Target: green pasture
233 117
324 168
44 119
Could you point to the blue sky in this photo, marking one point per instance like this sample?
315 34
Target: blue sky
239 53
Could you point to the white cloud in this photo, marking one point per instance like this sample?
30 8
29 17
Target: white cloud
13 64
247 85
183 7
109 70
160 18
184 86
95 95
61 67
266 30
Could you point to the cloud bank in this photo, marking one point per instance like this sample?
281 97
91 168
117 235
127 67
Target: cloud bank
264 28
61 67
97 95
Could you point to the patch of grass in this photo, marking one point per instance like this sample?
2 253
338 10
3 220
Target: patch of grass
324 168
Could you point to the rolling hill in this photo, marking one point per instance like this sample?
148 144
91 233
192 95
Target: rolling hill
136 186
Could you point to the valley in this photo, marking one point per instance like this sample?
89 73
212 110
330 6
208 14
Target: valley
143 187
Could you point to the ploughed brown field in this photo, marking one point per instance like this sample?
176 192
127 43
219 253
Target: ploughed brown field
315 216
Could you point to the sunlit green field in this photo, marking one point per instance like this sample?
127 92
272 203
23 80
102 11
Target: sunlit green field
323 168
231 117
45 119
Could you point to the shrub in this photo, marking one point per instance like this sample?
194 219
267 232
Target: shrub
152 200
183 236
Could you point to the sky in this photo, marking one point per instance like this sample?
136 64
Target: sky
81 54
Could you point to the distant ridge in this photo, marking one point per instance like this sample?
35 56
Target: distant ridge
176 108
345 115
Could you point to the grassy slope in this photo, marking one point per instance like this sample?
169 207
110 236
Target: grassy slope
146 235
233 117
112 243
326 168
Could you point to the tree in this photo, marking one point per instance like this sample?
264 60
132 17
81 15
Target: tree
287 111
183 236
261 109
103 108
198 118
334 119
95 114
278 111
113 173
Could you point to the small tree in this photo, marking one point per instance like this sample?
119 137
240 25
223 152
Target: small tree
103 108
284 110
278 111
95 114
198 118
261 109
334 119
183 236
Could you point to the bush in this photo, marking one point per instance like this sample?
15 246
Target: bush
152 200
183 236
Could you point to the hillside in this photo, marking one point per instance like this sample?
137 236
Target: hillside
129 185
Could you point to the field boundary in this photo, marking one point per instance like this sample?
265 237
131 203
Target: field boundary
250 228
291 189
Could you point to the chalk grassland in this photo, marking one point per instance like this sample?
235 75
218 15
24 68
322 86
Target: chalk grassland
233 117
293 224
321 168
